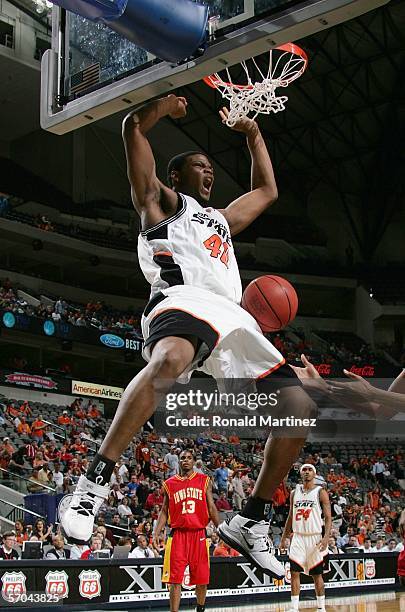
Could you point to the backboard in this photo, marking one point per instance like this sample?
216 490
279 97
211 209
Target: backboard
92 72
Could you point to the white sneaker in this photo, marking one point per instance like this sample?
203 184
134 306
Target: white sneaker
250 538
78 511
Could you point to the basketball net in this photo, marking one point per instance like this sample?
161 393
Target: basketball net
286 63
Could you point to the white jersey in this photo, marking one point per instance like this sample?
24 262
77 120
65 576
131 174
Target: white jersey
193 247
307 511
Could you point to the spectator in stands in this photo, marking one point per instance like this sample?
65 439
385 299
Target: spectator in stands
352 543
214 542
367 546
238 493
392 546
39 460
332 548
223 550
380 545
20 532
143 550
40 532
222 504
171 459
34 484
17 461
124 510
142 455
93 412
7 550
107 542
378 470
58 552
64 419
155 498
7 446
105 531
57 477
23 428
96 544
43 475
221 476
123 471
135 508
133 485
37 428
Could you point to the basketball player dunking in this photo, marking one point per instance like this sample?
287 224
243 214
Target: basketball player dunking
194 319
187 507
308 549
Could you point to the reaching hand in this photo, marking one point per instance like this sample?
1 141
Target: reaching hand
178 106
244 125
359 389
323 545
309 376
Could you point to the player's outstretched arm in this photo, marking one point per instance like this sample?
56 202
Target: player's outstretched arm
161 521
288 526
327 515
212 509
387 403
152 200
263 194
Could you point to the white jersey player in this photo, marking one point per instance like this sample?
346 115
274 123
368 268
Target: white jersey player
310 522
194 320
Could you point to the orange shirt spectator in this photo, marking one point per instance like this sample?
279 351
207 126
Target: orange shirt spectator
64 419
143 452
234 439
7 446
374 499
223 550
25 408
281 495
13 410
23 427
37 427
94 412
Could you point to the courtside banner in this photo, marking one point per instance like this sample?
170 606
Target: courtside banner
94 390
41 584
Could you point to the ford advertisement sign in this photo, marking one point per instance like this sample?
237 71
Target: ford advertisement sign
112 341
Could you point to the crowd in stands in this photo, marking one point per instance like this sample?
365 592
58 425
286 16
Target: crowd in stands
110 237
366 488
95 314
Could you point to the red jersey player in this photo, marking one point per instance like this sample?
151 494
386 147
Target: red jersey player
187 507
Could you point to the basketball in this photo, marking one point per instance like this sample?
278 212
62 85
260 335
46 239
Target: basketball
272 301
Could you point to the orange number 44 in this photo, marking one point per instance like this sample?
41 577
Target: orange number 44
218 248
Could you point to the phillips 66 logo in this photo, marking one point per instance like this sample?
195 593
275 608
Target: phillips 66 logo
370 568
57 585
13 586
90 585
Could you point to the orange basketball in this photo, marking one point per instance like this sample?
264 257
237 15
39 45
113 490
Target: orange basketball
272 301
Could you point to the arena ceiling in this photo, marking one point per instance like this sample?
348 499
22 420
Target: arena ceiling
344 125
